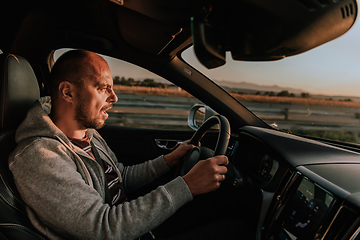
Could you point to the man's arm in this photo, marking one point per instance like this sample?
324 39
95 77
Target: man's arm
142 174
60 202
205 176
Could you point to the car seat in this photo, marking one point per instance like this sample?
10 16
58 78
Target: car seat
18 91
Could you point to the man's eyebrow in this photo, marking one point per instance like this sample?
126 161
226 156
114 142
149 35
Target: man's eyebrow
103 85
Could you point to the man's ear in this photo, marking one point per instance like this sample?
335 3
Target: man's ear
66 91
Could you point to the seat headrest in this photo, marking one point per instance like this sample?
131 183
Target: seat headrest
18 90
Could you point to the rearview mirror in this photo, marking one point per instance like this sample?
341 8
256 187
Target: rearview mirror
266 30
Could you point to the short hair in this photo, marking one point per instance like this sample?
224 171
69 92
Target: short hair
71 67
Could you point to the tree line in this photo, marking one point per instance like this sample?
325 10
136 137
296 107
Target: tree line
283 93
147 82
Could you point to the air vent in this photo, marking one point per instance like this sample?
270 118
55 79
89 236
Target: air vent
347 10
343 222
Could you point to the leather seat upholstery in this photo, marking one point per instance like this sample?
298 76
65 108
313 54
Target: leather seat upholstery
18 91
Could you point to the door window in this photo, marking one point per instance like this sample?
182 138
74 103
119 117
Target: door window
146 100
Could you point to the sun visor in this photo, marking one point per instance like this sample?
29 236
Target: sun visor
267 30
145 33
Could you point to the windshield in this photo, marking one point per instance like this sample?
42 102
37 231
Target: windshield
316 93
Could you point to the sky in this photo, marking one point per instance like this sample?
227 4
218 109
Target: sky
330 69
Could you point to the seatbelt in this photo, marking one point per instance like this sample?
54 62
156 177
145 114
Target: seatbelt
98 159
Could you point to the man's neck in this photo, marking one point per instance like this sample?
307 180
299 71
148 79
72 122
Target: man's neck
79 134
69 127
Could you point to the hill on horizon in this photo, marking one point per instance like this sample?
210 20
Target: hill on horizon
256 87
244 86
253 88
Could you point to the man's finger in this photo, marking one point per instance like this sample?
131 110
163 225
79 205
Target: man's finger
222 170
221 160
222 177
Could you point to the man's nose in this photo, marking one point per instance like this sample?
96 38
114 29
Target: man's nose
112 98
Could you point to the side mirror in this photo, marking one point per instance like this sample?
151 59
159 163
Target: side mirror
198 115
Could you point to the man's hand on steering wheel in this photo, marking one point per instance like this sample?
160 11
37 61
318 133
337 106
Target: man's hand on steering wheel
172 159
204 169
202 176
207 175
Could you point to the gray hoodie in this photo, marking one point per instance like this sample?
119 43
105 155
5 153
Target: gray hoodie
63 187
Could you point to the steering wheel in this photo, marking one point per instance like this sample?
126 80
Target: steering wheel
201 153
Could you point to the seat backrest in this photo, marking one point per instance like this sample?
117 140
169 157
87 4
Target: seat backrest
18 91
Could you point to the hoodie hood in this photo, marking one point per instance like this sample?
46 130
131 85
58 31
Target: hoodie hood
38 123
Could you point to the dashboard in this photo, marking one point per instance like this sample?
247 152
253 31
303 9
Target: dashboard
310 188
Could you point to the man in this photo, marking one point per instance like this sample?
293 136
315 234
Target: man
61 162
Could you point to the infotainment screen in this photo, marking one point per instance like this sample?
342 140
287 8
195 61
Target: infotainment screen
303 213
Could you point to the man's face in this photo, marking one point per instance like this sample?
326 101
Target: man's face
95 98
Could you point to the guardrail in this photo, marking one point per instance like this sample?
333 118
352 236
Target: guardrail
150 110
155 110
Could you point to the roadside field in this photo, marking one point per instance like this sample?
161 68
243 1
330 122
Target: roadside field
168 109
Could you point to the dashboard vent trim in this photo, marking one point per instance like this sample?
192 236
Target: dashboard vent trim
355 235
341 224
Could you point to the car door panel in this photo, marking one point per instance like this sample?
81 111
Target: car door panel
136 145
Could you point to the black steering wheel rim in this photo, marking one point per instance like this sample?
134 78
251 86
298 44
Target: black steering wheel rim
220 148
223 137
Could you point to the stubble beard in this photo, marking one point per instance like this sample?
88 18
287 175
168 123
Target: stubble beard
81 115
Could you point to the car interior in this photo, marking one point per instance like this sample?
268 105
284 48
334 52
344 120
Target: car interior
283 185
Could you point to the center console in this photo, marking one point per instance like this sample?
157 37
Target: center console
300 214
